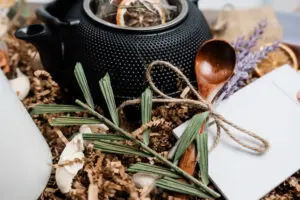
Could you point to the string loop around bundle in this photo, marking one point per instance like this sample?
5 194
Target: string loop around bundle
220 121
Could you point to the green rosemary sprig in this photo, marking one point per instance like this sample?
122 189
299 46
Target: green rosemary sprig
101 137
83 84
173 185
107 91
166 183
146 107
202 140
109 147
54 108
148 168
72 121
149 150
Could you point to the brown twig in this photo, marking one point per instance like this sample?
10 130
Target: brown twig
146 126
61 136
68 162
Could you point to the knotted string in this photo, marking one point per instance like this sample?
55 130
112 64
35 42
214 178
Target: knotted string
219 120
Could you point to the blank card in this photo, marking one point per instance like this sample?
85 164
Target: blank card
269 108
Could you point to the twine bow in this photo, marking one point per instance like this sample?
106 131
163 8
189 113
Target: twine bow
219 120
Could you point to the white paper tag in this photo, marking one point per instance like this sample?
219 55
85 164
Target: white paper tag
269 108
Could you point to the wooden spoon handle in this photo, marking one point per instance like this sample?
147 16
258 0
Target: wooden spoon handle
189 158
188 162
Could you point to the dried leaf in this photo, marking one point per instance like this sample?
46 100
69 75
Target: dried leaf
72 121
148 168
83 84
54 108
202 147
107 91
114 148
189 134
146 106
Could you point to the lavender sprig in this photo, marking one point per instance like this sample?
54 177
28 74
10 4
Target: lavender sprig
246 60
249 62
257 34
241 44
244 67
243 47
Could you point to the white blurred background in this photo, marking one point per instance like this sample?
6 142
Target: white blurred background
279 5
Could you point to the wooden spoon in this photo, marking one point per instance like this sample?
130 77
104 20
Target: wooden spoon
214 65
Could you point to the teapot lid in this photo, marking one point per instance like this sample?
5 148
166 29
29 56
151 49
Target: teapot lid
92 7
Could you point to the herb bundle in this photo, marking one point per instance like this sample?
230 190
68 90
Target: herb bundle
109 143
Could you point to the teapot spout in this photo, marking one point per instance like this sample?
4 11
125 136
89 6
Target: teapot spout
46 42
33 33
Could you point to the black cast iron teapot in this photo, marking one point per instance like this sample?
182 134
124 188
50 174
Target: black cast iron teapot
73 33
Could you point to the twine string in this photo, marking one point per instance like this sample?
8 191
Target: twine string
219 120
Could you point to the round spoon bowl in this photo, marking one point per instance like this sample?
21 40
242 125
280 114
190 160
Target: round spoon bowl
215 61
214 65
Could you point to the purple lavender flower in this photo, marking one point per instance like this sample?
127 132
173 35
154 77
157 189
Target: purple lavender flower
239 43
256 35
245 45
246 60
